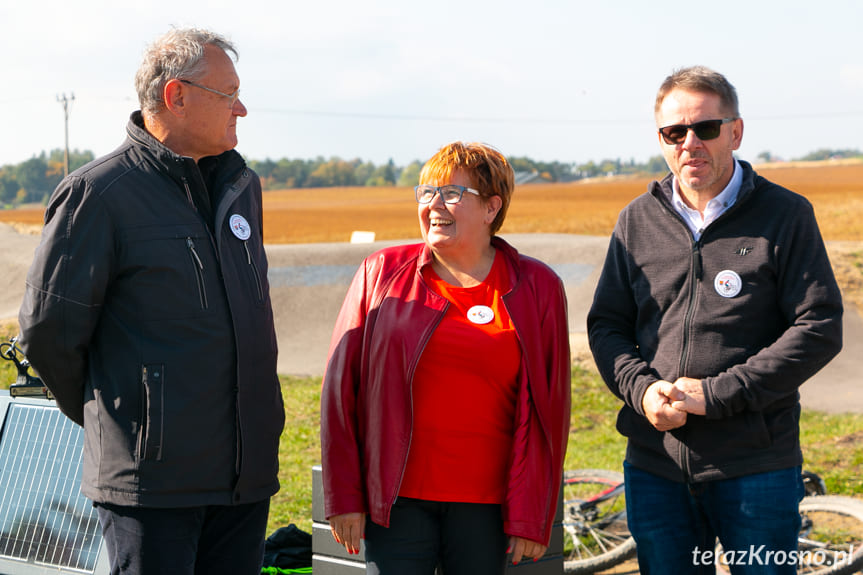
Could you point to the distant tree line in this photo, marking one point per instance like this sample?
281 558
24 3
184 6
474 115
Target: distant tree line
825 154
333 172
322 172
33 180
816 156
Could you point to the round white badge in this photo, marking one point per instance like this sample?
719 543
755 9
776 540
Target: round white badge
480 314
240 227
727 283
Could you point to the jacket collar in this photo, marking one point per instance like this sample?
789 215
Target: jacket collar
175 165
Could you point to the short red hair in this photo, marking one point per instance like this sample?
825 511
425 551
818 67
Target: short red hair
489 172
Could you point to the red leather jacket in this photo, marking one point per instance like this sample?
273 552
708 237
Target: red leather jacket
387 317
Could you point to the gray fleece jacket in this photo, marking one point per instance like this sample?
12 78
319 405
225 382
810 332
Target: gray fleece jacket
752 309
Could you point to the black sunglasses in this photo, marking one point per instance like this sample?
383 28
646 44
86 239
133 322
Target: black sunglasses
706 130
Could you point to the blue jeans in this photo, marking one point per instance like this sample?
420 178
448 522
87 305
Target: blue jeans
463 538
675 525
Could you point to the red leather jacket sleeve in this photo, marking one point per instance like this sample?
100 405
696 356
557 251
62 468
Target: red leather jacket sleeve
340 442
538 307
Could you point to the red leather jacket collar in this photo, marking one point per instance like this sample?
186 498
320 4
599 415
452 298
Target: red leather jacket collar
387 317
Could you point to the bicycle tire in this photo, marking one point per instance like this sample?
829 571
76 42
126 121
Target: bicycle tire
596 537
831 525
837 522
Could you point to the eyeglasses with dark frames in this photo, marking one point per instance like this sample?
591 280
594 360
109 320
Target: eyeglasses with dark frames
705 130
450 193
232 97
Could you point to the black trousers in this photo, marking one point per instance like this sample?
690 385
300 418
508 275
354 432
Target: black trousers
210 540
463 538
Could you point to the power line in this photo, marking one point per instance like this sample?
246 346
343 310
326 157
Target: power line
429 118
524 119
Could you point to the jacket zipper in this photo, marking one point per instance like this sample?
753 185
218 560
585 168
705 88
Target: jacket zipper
693 294
199 273
152 413
697 273
411 394
142 432
195 207
189 194
254 270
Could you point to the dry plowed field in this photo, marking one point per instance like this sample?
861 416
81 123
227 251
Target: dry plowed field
330 214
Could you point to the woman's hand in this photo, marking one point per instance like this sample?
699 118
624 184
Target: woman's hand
521 547
348 529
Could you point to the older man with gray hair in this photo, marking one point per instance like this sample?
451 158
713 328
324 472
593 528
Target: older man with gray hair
147 313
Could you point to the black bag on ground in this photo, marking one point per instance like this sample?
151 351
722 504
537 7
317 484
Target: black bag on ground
288 548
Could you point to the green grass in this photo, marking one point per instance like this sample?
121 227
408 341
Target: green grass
594 443
833 448
299 450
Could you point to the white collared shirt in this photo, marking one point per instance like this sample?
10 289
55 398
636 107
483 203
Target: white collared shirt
715 207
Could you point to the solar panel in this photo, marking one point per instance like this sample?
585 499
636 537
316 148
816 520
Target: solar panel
46 525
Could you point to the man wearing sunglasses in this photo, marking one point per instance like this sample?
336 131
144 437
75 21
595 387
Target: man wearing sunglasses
147 313
715 303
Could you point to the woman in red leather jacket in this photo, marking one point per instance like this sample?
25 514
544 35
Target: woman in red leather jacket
445 403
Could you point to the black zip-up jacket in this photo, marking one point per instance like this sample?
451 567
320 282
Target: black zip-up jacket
154 332
666 307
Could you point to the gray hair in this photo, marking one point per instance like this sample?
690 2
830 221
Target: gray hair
177 54
700 79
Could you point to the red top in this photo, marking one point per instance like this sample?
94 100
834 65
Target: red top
464 395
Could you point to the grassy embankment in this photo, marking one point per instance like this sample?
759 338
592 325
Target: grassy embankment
833 444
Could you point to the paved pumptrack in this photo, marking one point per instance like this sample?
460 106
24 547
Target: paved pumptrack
309 281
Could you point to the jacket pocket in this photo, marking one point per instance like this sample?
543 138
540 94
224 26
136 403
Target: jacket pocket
152 412
168 272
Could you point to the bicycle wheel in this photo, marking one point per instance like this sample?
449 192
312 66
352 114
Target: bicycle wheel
831 538
596 536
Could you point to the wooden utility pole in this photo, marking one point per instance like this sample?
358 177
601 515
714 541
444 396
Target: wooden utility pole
66 101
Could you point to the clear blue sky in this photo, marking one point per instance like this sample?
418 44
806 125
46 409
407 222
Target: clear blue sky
550 79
